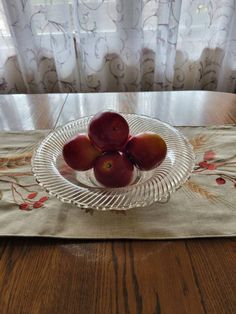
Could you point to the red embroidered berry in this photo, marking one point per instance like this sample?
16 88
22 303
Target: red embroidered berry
220 181
24 206
32 195
38 204
43 199
209 155
211 167
203 164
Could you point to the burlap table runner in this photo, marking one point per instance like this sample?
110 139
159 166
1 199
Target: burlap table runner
204 207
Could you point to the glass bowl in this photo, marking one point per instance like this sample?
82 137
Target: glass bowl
81 188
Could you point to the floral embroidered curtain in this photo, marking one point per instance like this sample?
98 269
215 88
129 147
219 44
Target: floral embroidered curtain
117 45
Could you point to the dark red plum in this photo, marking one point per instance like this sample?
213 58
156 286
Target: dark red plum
79 153
108 131
113 170
146 150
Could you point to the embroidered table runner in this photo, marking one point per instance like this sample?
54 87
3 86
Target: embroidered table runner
204 207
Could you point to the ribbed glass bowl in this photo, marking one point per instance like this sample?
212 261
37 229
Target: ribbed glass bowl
81 188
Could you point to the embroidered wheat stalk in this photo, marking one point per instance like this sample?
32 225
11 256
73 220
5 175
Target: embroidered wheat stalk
199 141
196 188
15 161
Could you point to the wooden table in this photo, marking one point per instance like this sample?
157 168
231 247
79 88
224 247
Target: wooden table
75 276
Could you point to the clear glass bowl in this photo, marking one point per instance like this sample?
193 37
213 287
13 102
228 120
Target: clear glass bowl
82 189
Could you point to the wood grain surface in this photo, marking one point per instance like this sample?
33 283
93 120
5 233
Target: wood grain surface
43 276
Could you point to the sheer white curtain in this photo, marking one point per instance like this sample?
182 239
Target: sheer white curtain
117 45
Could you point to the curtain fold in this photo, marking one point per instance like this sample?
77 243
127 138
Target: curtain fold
51 46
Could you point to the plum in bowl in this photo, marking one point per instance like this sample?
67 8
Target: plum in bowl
82 189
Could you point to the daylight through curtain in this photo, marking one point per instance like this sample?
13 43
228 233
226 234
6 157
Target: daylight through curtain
117 45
